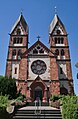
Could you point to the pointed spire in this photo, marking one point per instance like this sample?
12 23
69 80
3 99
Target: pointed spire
20 18
55 10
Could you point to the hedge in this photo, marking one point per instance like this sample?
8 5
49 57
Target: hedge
70 111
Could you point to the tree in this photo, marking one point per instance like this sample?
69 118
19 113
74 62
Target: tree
8 87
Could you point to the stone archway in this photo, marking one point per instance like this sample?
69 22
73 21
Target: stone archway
38 88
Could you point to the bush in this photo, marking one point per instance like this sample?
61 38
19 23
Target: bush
69 99
8 87
56 97
3 104
70 111
4 101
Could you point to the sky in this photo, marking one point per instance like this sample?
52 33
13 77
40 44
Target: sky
38 15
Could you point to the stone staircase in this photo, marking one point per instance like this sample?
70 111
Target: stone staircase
37 112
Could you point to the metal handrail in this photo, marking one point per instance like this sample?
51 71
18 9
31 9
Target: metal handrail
38 107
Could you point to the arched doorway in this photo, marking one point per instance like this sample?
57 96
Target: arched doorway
38 93
38 89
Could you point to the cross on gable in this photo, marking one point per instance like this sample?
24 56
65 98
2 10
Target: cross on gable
38 37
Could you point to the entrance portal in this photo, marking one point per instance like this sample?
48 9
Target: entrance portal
38 93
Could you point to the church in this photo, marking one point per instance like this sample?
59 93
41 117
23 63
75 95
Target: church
40 71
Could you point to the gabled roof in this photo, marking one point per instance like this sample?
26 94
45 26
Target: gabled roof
34 45
54 22
22 20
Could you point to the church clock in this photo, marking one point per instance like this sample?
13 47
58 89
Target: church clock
38 67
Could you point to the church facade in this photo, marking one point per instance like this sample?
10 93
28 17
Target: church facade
40 71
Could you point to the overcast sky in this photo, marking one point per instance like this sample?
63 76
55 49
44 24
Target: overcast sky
38 15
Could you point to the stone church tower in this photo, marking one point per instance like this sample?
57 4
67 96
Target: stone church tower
40 71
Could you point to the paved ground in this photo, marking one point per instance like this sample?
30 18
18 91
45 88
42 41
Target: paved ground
39 107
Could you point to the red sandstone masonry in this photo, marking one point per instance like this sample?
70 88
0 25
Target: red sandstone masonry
53 69
23 69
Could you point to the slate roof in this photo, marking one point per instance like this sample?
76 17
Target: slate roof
55 20
22 20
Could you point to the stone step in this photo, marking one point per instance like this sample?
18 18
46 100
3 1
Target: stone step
45 112
33 103
42 111
36 116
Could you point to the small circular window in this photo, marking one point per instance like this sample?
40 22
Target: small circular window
38 67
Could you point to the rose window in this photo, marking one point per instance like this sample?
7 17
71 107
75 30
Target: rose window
38 67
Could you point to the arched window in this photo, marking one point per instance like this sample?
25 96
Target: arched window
17 40
57 52
62 52
62 40
56 40
19 53
14 52
14 41
35 51
61 70
20 41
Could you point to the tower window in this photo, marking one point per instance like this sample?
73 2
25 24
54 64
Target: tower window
58 40
55 40
20 40
15 72
14 41
57 52
19 53
58 32
14 52
61 71
62 40
17 40
62 52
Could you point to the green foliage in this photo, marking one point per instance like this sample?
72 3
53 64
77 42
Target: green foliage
70 111
3 104
20 99
69 107
8 87
56 97
3 101
69 99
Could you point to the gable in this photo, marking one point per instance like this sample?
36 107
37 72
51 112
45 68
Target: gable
58 30
38 48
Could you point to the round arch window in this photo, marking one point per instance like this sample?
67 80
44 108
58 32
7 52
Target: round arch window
38 67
